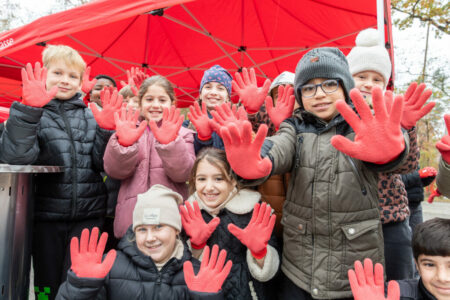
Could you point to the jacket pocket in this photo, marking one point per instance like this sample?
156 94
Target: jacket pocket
294 240
361 240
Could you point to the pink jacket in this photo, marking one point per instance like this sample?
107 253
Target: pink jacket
145 164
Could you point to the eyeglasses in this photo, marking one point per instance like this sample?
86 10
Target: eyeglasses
328 86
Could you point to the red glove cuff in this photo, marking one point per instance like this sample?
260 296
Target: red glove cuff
259 255
201 138
198 247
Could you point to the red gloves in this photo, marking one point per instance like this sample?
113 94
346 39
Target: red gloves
126 131
415 97
87 84
87 258
171 123
243 154
225 114
366 286
378 138
434 194
212 272
135 79
33 89
257 234
199 117
284 108
111 103
196 228
250 95
427 172
444 144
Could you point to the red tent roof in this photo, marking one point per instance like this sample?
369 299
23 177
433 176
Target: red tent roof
184 38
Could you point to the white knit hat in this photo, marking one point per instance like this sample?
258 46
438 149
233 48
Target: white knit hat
284 78
159 205
370 55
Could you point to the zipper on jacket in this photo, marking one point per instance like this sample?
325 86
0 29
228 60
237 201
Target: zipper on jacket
358 176
74 162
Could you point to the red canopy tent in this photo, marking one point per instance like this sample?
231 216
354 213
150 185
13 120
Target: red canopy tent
180 39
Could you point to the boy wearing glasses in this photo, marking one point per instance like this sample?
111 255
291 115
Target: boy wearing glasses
330 215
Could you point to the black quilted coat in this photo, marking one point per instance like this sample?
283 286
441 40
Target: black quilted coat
62 133
134 276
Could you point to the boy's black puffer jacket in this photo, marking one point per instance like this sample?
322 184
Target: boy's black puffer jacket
134 276
62 133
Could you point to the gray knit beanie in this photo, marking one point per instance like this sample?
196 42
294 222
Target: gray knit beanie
159 205
324 62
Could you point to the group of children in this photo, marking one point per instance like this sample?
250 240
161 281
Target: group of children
309 155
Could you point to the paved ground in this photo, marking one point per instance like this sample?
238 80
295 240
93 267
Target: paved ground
436 209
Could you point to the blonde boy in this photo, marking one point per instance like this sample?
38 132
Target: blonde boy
52 126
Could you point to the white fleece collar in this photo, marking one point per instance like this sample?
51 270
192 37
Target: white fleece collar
242 202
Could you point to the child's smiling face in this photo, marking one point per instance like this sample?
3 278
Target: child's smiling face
435 274
365 81
323 105
66 77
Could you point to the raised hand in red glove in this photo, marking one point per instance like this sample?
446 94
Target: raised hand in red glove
367 286
126 131
86 84
213 272
378 138
284 106
225 114
171 123
34 92
199 117
427 172
250 95
257 234
135 78
87 255
413 110
111 103
444 144
196 228
243 153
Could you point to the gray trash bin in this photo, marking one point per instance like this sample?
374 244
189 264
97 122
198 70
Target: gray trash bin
16 211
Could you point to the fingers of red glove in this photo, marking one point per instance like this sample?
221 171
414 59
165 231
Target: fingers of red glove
188 271
108 262
87 84
395 115
444 147
393 292
92 246
354 285
434 194
101 245
241 114
360 104
379 104
74 250
37 71
236 231
368 272
447 123
84 240
30 72
411 89
349 115
379 275
213 258
344 145
360 274
389 100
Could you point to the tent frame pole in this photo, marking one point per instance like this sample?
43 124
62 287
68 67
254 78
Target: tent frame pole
380 20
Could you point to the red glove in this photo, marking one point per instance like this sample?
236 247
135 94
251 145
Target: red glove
196 228
366 286
415 97
87 258
284 108
135 79
33 89
87 84
111 103
257 234
126 131
444 144
212 272
250 95
199 117
434 194
427 172
243 154
378 138
225 114
171 123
